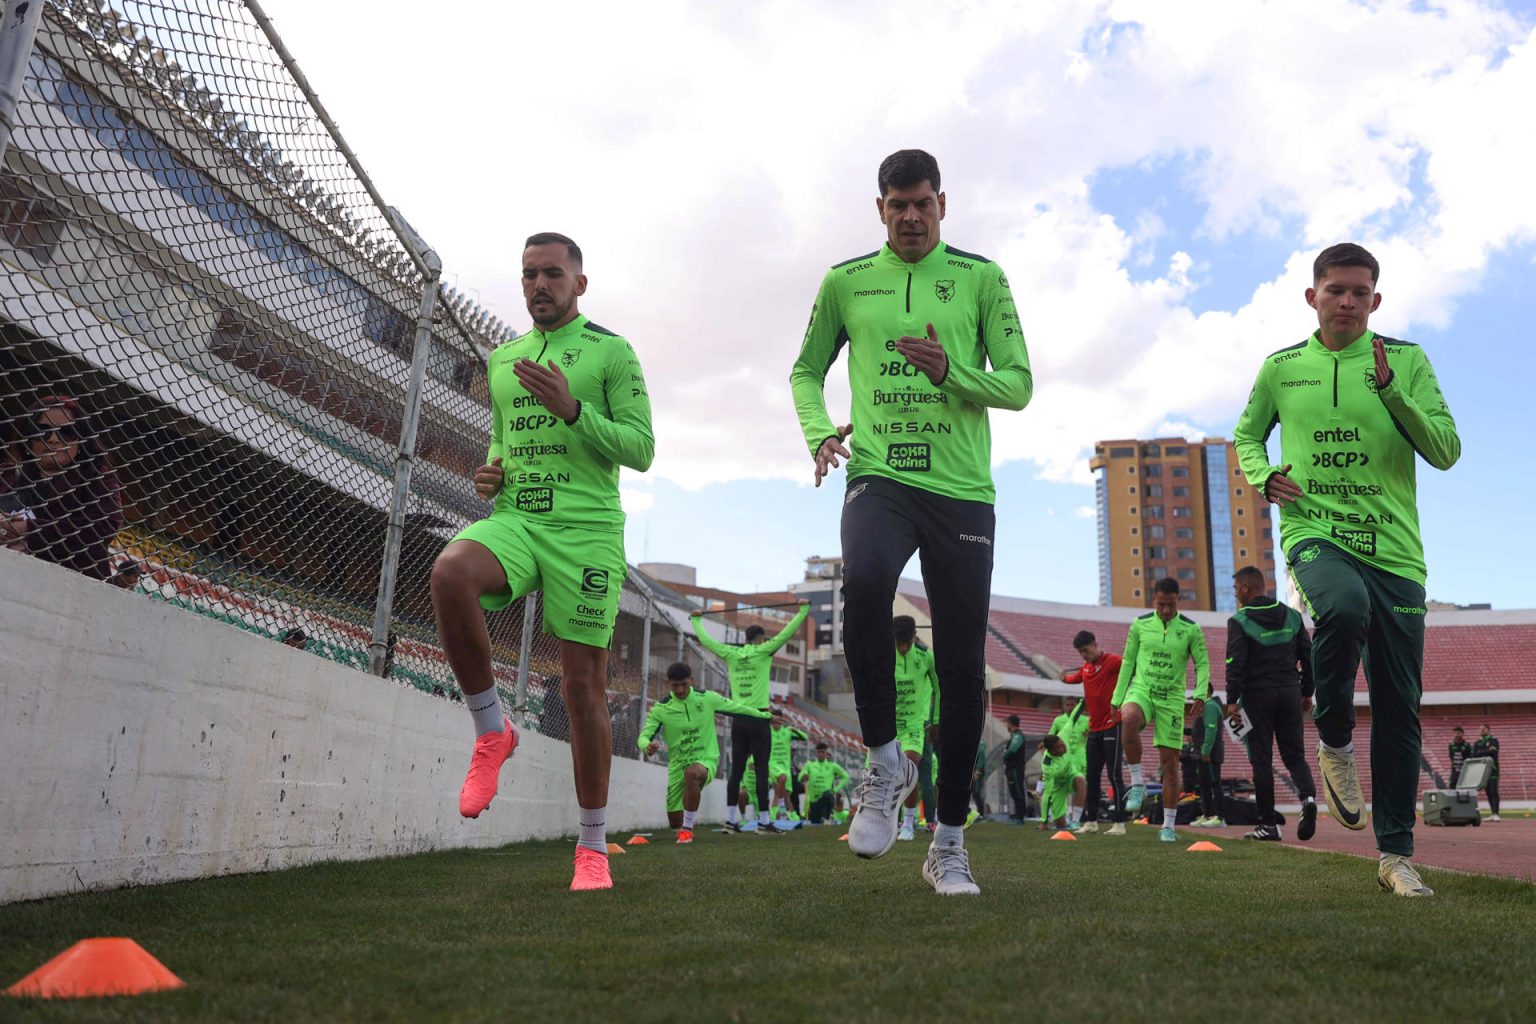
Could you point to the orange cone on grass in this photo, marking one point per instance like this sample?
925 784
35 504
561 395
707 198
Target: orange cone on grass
615 848
1064 834
97 967
639 841
1205 846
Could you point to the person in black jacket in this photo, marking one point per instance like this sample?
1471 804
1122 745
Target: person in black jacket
1460 750
1269 677
1487 745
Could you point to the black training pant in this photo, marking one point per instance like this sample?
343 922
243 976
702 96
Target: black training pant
1015 778
884 522
1275 714
1104 755
750 737
1492 789
1210 789
821 808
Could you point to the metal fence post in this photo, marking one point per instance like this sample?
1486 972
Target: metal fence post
17 35
405 458
525 649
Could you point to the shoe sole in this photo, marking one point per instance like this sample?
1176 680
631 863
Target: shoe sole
1411 894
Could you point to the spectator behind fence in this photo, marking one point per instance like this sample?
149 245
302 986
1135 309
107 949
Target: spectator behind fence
293 637
127 574
60 494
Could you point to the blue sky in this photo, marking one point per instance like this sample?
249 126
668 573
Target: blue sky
1155 178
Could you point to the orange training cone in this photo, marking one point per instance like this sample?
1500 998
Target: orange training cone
615 848
97 967
1205 846
639 841
1064 834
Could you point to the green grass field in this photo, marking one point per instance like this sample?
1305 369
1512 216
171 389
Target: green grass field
794 928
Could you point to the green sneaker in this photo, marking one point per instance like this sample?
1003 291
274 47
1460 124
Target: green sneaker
1133 799
1167 835
972 818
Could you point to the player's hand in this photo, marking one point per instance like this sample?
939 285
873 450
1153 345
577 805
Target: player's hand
650 748
1280 488
1306 703
488 479
1383 371
927 354
933 733
1197 708
1234 714
975 776
826 455
1206 758
549 385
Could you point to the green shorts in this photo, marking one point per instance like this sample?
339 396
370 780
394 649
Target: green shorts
777 768
1164 708
581 573
675 782
911 734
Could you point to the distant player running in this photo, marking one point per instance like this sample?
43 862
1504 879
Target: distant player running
686 721
917 693
1158 649
568 408
781 763
749 665
920 321
1356 410
1072 727
824 778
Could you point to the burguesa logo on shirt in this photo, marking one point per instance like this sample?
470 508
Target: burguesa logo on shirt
910 457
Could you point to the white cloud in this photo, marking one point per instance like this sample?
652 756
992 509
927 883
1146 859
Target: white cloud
714 159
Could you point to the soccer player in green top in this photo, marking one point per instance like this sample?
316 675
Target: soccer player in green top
917 692
823 778
1072 727
781 760
1356 410
920 320
686 720
748 666
1158 649
568 408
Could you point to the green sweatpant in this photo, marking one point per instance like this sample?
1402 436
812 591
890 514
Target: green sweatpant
1361 610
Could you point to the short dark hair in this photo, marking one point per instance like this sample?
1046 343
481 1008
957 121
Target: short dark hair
556 238
906 168
1251 575
905 628
1345 254
1052 740
1084 638
678 671
1013 719
1457 728
821 746
1166 585
753 632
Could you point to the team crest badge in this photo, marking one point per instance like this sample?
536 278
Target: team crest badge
945 290
569 356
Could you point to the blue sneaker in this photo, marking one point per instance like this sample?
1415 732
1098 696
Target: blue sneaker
1133 798
747 826
1166 834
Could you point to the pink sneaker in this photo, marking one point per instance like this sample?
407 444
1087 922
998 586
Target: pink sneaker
491 752
685 835
591 871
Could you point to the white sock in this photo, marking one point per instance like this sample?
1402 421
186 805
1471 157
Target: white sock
594 829
949 835
1136 775
688 817
886 755
732 815
1170 815
1348 748
486 708
762 817
908 817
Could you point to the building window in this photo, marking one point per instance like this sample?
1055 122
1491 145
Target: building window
1155 471
1157 572
1121 453
1154 490
1157 551
1181 492
1242 531
1189 595
1239 492
1135 570
1185 553
1183 533
1135 552
1240 510
1133 531
1149 451
1237 471
1155 532
1131 489
1178 471
1136 592
1186 574
1183 512
1242 552
1175 449
1131 470
1152 512
1269 556
1133 510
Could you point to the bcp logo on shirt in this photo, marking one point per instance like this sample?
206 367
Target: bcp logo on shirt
594 582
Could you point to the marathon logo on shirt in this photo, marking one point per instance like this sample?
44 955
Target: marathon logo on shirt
870 293
913 457
536 499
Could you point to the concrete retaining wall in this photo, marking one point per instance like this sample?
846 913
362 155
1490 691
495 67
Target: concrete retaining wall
140 743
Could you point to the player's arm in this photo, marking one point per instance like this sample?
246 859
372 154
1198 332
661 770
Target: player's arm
626 438
1202 665
933 689
652 725
782 636
840 776
1419 410
825 336
1010 383
1075 677
1237 660
798 734
719 703
706 641
1127 666
1212 717
1249 438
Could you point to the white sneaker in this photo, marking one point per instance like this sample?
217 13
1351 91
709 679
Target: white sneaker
1117 829
1398 877
880 794
948 869
1088 827
1341 786
1493 817
905 834
1200 822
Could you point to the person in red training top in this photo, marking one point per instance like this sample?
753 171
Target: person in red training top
1098 676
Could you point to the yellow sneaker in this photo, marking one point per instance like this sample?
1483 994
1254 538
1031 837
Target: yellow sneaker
1398 877
1341 786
